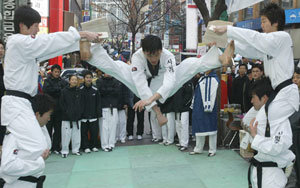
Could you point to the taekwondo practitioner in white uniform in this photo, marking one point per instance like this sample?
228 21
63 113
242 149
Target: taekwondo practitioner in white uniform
23 52
274 47
18 168
269 166
166 78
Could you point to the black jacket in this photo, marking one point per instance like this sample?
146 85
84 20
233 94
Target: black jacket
181 100
239 90
92 102
112 93
53 87
71 103
183 97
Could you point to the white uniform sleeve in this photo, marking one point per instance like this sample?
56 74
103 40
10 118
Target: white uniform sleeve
140 80
247 50
213 95
169 80
46 46
280 141
266 43
249 116
13 165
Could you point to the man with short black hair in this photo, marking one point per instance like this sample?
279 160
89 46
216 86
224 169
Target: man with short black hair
273 153
275 48
257 72
25 50
157 64
17 170
91 113
53 86
239 88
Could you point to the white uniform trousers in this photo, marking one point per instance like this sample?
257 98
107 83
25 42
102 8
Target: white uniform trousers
121 126
168 131
156 129
68 133
186 70
164 133
182 128
200 141
108 127
272 177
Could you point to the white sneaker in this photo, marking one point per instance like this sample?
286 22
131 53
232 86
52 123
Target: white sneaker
130 137
168 143
95 150
178 145
139 137
87 150
162 143
122 141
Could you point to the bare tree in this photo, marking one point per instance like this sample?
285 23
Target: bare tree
219 9
138 13
118 34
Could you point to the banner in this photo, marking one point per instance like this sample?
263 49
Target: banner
236 5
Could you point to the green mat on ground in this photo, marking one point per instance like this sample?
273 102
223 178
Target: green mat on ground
147 166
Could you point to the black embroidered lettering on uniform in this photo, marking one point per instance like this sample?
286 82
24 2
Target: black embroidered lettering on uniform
170 68
277 137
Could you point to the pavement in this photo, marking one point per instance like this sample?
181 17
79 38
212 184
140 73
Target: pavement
142 164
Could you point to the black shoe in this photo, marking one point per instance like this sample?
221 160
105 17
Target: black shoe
110 149
183 148
211 154
64 155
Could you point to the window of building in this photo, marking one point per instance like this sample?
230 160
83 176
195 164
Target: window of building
248 13
287 4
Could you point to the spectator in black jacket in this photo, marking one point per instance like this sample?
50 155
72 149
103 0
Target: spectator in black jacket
91 112
123 106
110 92
257 72
53 86
182 102
177 111
71 103
239 88
130 118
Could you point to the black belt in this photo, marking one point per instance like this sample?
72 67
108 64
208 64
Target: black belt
19 94
39 181
258 165
2 182
271 98
71 124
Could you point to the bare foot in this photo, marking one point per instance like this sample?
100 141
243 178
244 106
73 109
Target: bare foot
226 57
162 120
